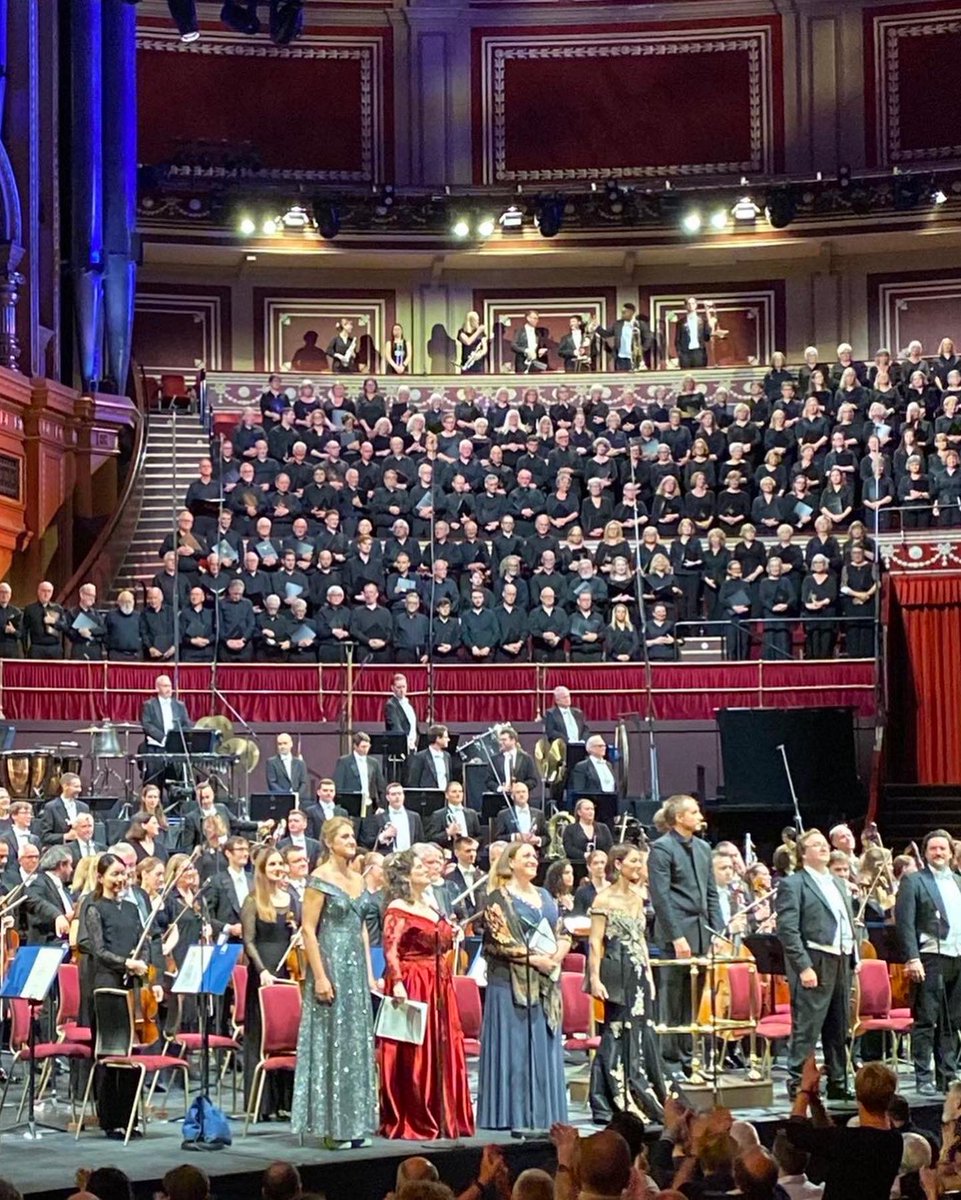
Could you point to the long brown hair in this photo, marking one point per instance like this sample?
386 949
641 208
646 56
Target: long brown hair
263 889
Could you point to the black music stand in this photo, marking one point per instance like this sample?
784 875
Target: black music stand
423 801
353 802
768 953
605 805
492 804
191 743
271 806
391 749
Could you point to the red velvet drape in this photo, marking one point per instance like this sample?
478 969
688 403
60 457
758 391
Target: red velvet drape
924 679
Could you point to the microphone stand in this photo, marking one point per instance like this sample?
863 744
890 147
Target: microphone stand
794 799
242 801
649 717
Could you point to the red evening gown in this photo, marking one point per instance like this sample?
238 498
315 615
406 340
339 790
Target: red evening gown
423 1089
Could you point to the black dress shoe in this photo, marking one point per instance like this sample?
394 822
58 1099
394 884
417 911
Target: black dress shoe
838 1091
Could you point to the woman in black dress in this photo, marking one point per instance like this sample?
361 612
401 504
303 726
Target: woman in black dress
734 603
687 561
914 496
267 920
818 596
145 836
775 601
621 643
585 834
716 559
858 591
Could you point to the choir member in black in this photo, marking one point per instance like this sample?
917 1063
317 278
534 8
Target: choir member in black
371 627
750 553
272 632
775 600
336 617
687 563
203 501
549 626
947 493
512 627
236 625
818 597
915 493
733 504
587 630
156 627
823 542
858 591
734 605
174 586
303 635
660 585
668 506
187 545
621 641
479 629
446 635
11 625
42 625
110 932
84 626
268 924
197 636
411 636
659 635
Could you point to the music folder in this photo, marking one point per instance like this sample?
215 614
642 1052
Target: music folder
206 970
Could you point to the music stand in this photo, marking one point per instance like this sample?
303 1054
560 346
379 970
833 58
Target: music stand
30 977
271 806
191 743
353 802
492 803
424 801
768 953
605 805
391 748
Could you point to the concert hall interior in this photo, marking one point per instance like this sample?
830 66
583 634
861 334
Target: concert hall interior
480 604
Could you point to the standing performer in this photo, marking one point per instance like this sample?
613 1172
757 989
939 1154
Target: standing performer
424 1092
815 924
266 920
928 921
626 1073
523 999
686 909
335 1089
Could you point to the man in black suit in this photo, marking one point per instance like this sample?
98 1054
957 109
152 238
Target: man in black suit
325 808
358 772
431 768
297 836
692 336
159 715
83 845
230 888
593 774
21 828
928 921
628 334
42 625
453 821
58 816
520 822
48 904
686 909
399 714
465 875
564 721
529 347
392 828
578 348
512 763
192 830
815 925
287 772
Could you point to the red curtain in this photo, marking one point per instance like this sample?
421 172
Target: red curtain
924 679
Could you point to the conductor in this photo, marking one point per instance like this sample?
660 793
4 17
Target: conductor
160 714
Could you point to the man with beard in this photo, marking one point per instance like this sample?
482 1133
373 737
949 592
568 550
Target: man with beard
123 631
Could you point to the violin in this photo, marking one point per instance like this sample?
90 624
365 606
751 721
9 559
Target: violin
295 960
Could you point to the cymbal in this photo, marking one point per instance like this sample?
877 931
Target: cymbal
218 722
125 725
91 729
247 751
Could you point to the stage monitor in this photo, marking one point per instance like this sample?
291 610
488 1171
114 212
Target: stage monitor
819 744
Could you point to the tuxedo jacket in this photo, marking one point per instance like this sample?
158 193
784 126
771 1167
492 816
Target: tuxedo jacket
395 719
279 781
11 839
74 848
584 778
43 905
371 827
222 900
54 823
347 777
421 772
803 916
437 826
683 892
456 885
919 911
505 825
192 829
316 819
554 726
312 846
524 769
567 351
152 720
682 336
520 347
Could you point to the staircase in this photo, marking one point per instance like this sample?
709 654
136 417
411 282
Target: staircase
170 464
910 810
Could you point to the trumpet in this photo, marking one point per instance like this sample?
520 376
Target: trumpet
474 357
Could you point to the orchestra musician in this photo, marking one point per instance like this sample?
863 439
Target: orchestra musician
520 822
392 828
815 924
160 714
359 772
20 833
343 347
585 834
594 773
463 875
397 350
48 904
324 809
298 838
632 339
453 820
287 772
686 909
562 720
212 859
399 713
512 763
192 829
529 347
298 868
432 768
267 920
473 343
578 348
58 815
230 888
83 845
928 921
692 336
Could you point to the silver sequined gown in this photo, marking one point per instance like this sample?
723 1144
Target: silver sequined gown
335 1089
626 1074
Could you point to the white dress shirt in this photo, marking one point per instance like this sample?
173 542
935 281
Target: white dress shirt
950 945
843 932
70 807
531 340
455 816
241 885
605 775
799 1187
440 769
523 818
570 725
400 819
693 331
408 710
363 770
287 762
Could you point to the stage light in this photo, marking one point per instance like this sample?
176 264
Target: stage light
939 197
511 218
296 217
248 226
184 13
269 226
549 215
719 219
745 209
460 228
286 21
691 222
486 226
241 17
781 207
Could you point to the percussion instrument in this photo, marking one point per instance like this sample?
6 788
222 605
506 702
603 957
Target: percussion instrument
23 772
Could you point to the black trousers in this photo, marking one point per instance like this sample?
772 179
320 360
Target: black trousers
821 1011
936 1007
675 1000
686 359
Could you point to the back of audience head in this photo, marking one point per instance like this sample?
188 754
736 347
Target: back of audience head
604 1163
874 1086
185 1183
281 1181
632 1130
533 1184
755 1173
425 1189
415 1169
109 1183
790 1159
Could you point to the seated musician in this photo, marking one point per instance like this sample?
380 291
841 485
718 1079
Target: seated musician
191 832
585 834
594 773
519 821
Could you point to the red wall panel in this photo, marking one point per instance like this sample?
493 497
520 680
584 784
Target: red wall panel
634 101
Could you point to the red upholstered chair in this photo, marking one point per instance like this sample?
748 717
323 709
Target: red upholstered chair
468 998
238 985
873 1013
68 1012
578 1023
280 1024
174 391
192 1043
45 1052
575 963
115 1049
